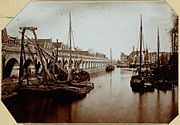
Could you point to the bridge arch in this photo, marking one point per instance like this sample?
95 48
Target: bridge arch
8 68
10 56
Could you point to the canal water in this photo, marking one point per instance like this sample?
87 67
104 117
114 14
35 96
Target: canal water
112 100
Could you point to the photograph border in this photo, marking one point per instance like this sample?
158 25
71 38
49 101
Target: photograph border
10 8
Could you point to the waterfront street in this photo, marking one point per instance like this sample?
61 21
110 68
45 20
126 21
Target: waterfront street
112 100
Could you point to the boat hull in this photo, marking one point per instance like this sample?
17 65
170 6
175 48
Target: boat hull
136 83
73 89
109 68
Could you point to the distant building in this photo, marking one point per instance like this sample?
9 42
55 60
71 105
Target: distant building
123 57
133 57
8 39
150 57
50 46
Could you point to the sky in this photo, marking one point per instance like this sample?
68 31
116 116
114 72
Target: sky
99 26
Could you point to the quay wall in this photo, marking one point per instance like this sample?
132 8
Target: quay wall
94 72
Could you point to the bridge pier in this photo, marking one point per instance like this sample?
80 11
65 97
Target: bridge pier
89 64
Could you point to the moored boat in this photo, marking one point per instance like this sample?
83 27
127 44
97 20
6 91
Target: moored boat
162 73
52 89
110 67
7 88
122 65
137 82
46 82
140 81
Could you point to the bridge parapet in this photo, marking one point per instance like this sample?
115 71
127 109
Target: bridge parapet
16 49
85 61
11 52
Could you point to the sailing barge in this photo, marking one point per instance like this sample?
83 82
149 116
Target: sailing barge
48 81
164 75
141 80
160 76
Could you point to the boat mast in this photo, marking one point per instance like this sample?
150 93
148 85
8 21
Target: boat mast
21 57
140 46
111 55
158 46
70 48
70 30
57 51
146 56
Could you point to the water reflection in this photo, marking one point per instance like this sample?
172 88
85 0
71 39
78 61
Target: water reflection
140 107
158 106
112 100
110 83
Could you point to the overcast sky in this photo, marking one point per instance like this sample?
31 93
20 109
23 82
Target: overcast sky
99 26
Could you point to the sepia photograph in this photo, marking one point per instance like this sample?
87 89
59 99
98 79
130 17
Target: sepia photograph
91 62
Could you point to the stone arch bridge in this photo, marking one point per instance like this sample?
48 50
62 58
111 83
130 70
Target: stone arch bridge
11 59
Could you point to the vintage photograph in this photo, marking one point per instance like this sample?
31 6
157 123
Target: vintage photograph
91 62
